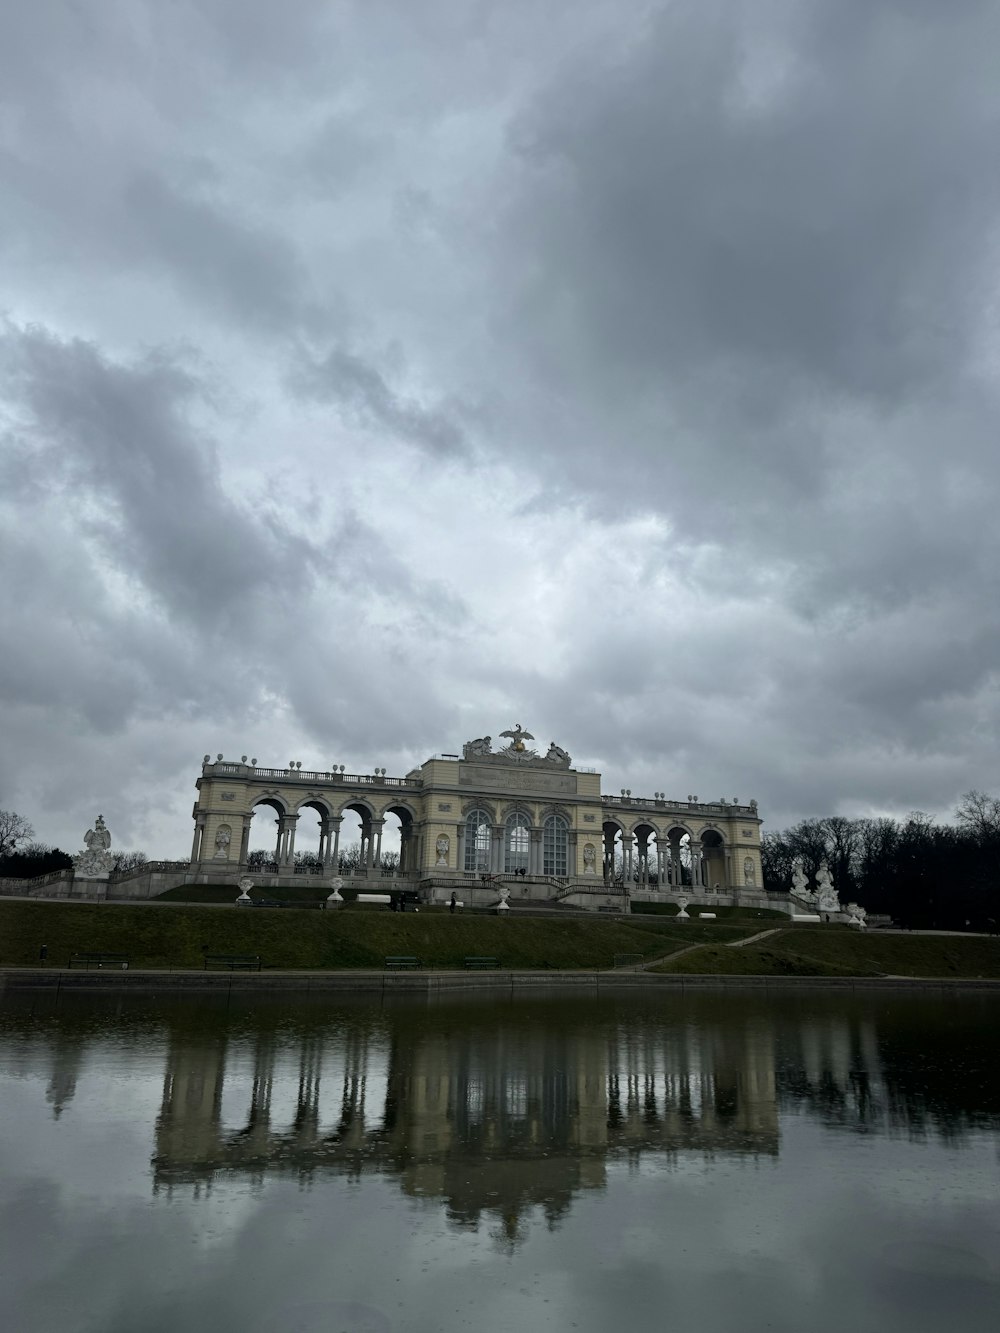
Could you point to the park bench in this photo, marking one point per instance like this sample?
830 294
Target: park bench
249 962
475 963
398 961
89 960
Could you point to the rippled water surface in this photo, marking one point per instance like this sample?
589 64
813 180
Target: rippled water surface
729 1161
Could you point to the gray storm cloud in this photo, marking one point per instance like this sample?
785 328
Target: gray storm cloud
377 371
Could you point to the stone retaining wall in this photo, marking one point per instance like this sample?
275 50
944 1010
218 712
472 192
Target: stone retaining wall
136 980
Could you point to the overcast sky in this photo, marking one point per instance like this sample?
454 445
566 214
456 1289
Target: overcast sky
375 375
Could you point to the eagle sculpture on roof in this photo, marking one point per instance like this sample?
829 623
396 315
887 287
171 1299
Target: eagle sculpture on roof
517 737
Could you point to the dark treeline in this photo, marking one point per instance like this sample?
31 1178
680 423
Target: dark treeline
34 858
37 858
920 873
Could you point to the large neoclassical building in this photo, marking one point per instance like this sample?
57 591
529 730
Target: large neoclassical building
513 814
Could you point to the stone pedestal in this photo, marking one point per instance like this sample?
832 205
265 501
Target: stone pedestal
89 886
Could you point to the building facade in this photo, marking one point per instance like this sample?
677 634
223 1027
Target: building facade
512 815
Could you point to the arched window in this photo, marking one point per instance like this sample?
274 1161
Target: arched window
477 840
516 843
555 844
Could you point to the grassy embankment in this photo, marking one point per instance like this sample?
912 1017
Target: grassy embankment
178 936
310 892
766 915
805 952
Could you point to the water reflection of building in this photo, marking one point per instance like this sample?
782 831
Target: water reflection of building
67 1055
491 1119
522 1106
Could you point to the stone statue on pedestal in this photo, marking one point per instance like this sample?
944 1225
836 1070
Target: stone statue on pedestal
477 749
828 898
800 882
96 862
557 755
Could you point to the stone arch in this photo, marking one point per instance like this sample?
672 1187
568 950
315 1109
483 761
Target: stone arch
478 822
406 832
313 802
263 859
644 832
357 858
680 856
402 809
518 807
613 838
277 803
359 805
710 866
556 826
474 803
310 838
517 842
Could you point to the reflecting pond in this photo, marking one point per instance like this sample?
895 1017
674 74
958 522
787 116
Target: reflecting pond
718 1161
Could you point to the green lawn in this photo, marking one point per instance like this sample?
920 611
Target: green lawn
764 914
896 955
805 951
309 892
177 936
751 961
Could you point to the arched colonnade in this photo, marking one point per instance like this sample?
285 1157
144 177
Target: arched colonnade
648 857
331 818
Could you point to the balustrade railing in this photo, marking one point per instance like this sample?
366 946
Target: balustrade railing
699 807
309 775
152 867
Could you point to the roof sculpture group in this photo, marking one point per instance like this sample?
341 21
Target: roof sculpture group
516 752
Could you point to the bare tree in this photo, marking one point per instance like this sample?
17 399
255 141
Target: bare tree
350 857
979 814
14 829
126 861
843 843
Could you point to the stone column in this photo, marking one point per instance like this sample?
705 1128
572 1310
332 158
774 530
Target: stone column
460 846
572 869
336 821
377 859
245 841
497 848
280 847
534 851
290 822
199 830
